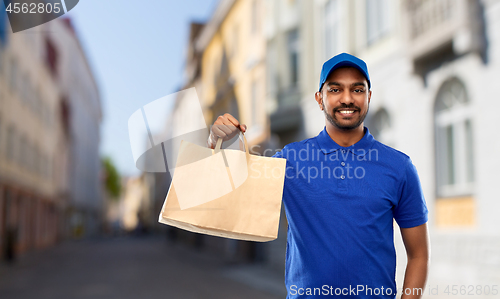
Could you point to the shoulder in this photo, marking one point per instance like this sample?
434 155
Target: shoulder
401 164
397 161
390 154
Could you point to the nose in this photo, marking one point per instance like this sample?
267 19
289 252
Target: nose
346 98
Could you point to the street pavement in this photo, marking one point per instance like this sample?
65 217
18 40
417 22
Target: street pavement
133 267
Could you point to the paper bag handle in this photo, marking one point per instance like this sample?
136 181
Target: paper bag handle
219 144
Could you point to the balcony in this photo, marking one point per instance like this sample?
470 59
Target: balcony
442 29
288 115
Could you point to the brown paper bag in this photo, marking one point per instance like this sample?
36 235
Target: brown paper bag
227 193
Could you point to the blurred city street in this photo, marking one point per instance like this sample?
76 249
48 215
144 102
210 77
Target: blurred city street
130 267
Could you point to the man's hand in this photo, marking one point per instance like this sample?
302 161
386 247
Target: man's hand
225 127
416 240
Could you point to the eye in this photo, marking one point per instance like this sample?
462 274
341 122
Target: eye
333 90
359 90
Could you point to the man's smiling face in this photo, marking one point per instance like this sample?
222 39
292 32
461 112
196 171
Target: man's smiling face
345 98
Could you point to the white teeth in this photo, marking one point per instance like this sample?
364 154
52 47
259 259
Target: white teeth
346 112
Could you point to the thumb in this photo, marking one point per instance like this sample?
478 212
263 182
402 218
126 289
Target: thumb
243 128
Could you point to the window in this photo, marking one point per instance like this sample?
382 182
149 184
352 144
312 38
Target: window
293 50
380 127
29 156
37 98
51 57
378 19
21 229
255 16
454 142
215 69
43 165
22 152
31 96
45 114
13 76
36 160
23 87
11 144
254 102
235 40
272 75
332 28
50 116
48 167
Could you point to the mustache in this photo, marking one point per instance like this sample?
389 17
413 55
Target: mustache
344 106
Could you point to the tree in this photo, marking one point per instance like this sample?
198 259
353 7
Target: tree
112 181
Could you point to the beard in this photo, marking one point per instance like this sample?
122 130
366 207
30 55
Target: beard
332 118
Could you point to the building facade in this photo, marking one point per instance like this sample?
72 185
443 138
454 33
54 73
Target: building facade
39 135
31 204
80 99
429 64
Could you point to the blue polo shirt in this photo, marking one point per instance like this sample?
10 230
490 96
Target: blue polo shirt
340 204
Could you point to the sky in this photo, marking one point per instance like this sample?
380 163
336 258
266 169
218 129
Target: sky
136 50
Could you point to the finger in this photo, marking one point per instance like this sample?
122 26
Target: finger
220 126
233 120
243 128
227 130
216 129
231 127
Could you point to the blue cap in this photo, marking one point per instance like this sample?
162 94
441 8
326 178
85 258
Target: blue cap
343 60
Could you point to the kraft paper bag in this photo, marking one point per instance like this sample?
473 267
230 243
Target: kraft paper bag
225 192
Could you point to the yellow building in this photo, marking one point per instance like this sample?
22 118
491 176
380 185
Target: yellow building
233 71
226 65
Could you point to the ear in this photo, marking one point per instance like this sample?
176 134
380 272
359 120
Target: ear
369 96
319 99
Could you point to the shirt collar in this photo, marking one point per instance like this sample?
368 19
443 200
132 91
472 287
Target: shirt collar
360 148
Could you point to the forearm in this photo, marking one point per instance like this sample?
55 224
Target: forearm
415 278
